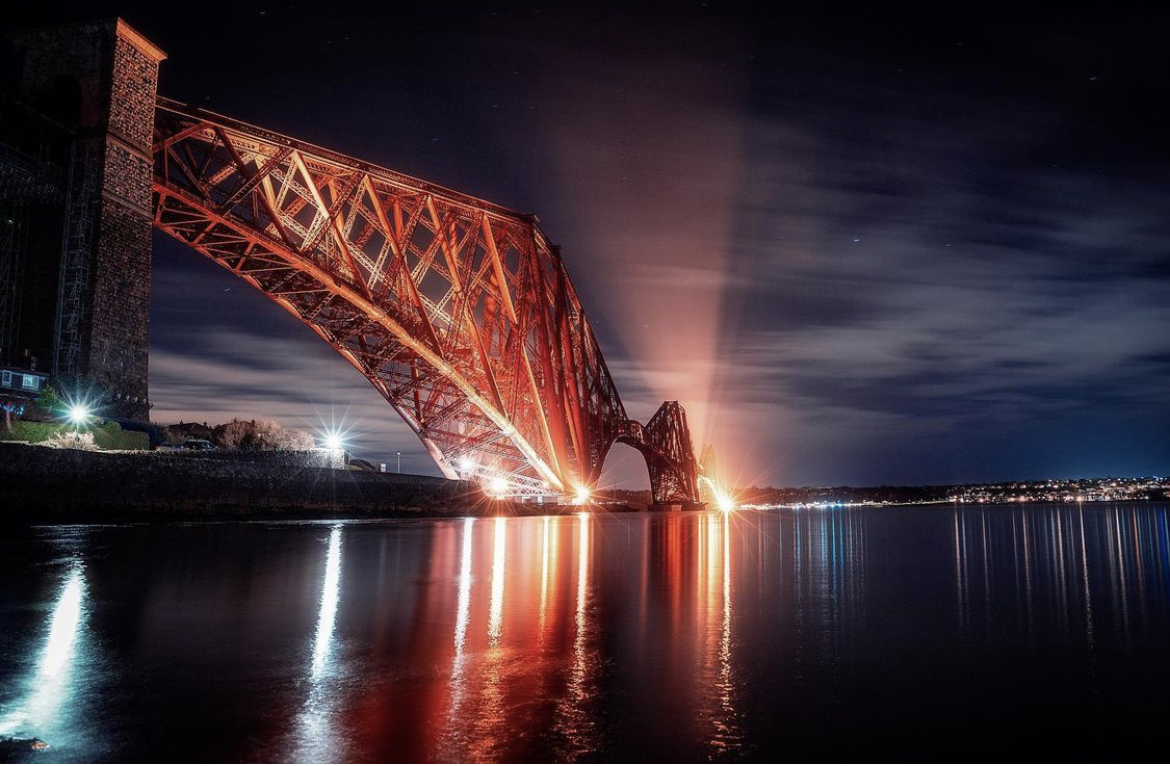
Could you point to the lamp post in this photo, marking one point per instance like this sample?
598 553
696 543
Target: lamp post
399 462
78 415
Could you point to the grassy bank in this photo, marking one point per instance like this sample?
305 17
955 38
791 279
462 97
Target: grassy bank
107 436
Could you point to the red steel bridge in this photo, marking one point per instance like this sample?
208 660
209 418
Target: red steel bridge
460 312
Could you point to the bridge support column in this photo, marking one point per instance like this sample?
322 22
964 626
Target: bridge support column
670 457
101 80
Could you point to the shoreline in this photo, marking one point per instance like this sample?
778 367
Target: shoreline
42 486
46 486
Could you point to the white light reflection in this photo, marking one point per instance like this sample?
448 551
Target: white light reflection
582 598
496 612
327 614
48 689
576 724
451 741
314 737
63 630
544 576
725 633
463 615
726 736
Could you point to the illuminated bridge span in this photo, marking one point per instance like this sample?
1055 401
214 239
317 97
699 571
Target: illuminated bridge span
458 311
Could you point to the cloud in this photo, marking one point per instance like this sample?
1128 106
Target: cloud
221 350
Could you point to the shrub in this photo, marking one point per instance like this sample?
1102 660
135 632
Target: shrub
177 433
71 440
109 435
136 440
29 431
260 434
49 400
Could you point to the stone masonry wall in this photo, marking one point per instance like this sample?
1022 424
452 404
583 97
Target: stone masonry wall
116 72
311 458
120 324
46 485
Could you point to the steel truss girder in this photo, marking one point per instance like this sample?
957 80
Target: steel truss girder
460 312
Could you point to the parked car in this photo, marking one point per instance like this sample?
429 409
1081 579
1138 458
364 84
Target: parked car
198 445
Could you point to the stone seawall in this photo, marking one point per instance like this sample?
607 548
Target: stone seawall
45 485
310 458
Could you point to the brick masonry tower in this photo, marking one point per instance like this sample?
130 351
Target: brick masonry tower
108 76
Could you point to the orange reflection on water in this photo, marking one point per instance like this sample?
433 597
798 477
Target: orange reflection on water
716 703
524 659
499 551
520 604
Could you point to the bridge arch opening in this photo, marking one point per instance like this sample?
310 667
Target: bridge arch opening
625 474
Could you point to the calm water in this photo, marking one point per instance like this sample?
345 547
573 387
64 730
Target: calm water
926 633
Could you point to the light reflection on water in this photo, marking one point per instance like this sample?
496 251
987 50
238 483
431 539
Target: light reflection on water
755 635
315 725
48 691
575 722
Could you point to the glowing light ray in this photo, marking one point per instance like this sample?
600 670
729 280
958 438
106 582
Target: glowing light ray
723 498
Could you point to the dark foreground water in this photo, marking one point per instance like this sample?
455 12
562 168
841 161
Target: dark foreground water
928 633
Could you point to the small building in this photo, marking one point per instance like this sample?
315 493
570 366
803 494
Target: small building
27 384
19 388
178 433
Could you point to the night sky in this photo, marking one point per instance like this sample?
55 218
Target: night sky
860 247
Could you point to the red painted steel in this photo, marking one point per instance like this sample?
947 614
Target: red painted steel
459 312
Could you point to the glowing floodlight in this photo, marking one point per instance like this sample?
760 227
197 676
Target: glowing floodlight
78 414
582 496
723 499
333 441
498 486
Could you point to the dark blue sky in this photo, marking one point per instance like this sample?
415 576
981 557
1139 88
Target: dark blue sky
861 247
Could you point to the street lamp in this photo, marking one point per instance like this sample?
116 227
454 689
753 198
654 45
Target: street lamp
399 462
498 487
78 414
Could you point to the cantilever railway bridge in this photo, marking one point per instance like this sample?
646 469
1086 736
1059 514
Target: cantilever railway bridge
460 312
